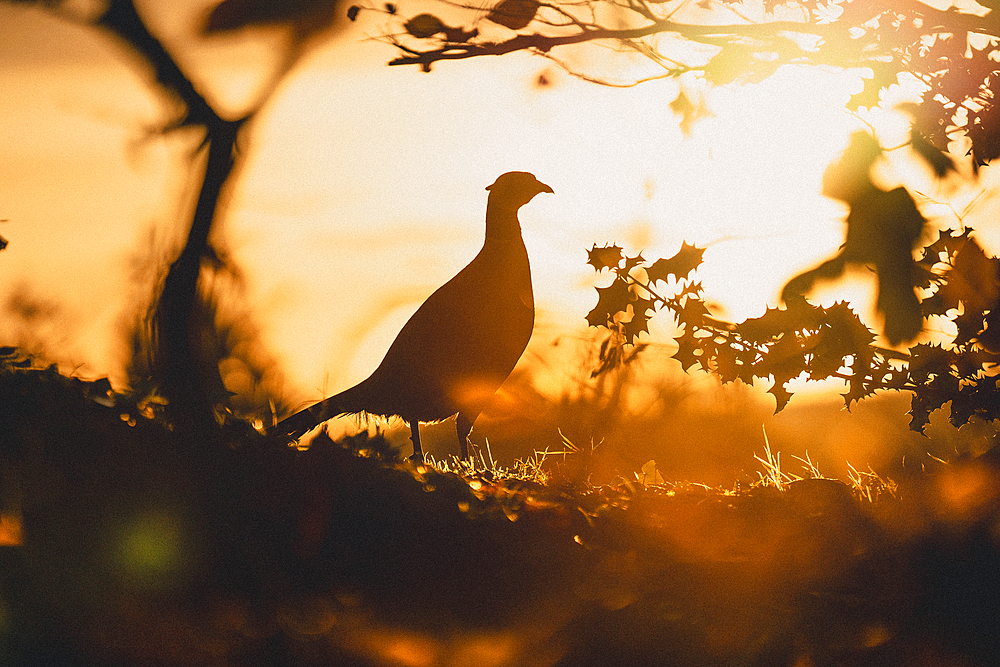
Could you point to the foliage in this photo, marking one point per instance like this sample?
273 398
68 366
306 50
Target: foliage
820 343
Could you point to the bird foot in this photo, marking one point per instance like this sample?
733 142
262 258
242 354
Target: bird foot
416 457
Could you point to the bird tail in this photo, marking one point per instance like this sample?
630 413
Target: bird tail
294 427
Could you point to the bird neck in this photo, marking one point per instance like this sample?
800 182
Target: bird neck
501 221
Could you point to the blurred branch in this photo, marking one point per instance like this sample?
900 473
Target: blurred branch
185 377
179 358
122 19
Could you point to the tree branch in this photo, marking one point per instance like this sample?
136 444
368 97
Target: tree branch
185 376
834 34
544 43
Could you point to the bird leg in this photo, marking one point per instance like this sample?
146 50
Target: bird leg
418 453
464 428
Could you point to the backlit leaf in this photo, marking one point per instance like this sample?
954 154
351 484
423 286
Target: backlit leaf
514 14
610 301
781 395
423 26
608 257
687 259
687 347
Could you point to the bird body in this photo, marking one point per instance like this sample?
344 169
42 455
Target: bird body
461 344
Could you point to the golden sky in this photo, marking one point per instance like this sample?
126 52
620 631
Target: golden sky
361 186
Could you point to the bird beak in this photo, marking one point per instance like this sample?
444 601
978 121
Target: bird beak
544 188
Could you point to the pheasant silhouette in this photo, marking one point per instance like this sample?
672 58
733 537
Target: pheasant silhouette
457 349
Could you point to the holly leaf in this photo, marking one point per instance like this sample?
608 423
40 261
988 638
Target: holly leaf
693 312
642 309
781 395
978 398
797 315
973 280
608 257
970 363
784 357
921 407
692 289
969 325
929 361
827 356
982 129
725 364
859 385
611 300
989 339
687 259
632 262
687 348
938 303
944 248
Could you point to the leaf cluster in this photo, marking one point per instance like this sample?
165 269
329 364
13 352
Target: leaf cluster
631 299
803 340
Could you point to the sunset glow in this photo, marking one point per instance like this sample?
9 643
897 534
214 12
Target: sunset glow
508 333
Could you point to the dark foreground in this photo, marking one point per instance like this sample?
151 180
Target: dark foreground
146 545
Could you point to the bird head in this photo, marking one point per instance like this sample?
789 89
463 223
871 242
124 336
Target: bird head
515 189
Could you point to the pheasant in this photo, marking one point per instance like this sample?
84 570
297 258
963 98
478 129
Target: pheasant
457 349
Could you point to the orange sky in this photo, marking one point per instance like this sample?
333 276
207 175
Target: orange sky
361 186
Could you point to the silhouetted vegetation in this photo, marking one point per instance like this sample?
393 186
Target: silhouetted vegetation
960 282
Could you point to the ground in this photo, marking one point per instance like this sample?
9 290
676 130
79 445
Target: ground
131 541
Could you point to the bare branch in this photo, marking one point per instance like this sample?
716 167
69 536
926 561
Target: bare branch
545 43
